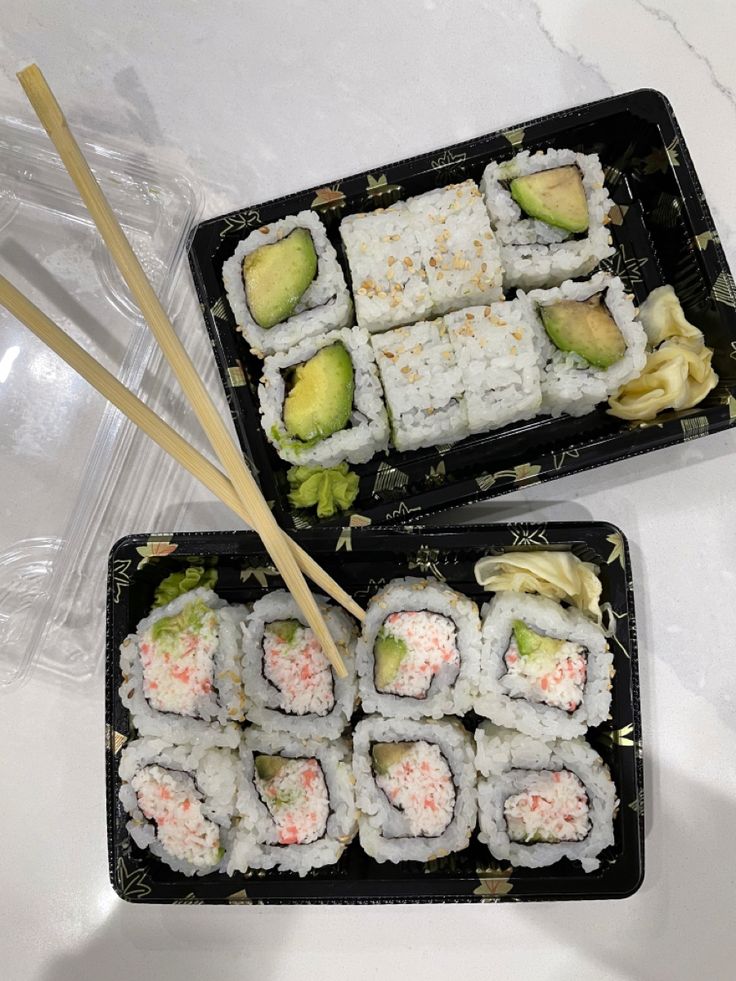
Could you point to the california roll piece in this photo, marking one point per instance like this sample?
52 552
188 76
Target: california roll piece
284 284
321 402
541 801
415 788
591 343
385 257
289 682
545 670
549 212
181 671
460 253
419 652
496 348
423 385
180 800
295 804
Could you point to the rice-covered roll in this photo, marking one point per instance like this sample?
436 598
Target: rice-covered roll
181 671
290 685
496 348
385 257
284 283
419 653
180 800
591 343
549 212
423 385
415 788
295 803
460 253
321 401
545 670
539 802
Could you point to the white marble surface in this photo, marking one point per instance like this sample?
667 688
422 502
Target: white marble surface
263 98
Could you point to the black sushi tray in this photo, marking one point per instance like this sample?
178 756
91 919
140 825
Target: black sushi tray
362 560
663 232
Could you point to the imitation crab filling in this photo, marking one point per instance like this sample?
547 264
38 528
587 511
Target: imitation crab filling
412 648
295 793
177 656
171 800
544 669
295 664
416 779
552 807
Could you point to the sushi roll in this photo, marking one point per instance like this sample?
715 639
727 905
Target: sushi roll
295 803
284 284
289 683
321 401
422 257
180 800
549 212
460 253
181 671
545 670
496 348
418 655
591 343
539 802
385 257
415 788
423 385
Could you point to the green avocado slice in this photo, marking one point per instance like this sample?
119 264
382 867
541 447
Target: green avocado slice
556 197
268 767
285 630
388 653
531 644
320 400
586 328
386 754
277 275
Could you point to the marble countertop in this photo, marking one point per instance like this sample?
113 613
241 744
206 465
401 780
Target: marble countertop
260 99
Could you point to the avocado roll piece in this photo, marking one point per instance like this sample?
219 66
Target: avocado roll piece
321 402
284 284
548 211
540 801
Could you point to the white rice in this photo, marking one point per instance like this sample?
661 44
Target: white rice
389 280
256 829
210 717
450 692
496 348
533 253
460 253
325 305
423 385
501 701
385 829
275 709
569 383
367 431
213 773
504 758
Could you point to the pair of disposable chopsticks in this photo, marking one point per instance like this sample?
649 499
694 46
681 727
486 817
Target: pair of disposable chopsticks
238 489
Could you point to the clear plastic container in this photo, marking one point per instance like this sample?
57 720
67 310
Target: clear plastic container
71 464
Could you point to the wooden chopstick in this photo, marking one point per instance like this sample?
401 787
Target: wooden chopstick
262 520
154 426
